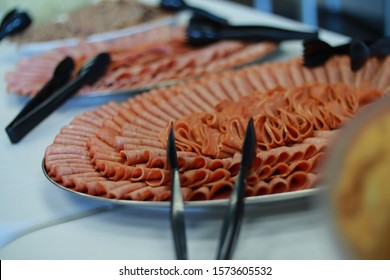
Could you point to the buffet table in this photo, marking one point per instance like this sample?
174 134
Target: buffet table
40 221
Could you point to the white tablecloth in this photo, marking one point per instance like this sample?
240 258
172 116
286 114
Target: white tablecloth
41 221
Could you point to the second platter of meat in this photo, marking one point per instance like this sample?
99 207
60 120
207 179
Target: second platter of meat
142 60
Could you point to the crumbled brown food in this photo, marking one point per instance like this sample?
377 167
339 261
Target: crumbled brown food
101 17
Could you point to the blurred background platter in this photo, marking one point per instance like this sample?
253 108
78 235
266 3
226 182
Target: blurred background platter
59 24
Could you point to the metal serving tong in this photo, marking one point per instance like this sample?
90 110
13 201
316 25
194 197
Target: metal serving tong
56 91
234 212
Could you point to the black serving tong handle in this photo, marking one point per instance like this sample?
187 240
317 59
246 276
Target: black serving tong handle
202 34
14 22
180 5
235 211
177 205
87 75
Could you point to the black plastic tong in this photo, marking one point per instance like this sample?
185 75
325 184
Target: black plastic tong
199 33
55 93
235 211
14 22
317 52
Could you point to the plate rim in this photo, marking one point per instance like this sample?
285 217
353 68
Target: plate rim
254 200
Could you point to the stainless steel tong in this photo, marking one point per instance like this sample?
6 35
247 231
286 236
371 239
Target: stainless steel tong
235 210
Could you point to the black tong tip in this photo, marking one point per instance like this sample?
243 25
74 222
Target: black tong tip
359 52
94 68
171 149
63 71
249 147
316 52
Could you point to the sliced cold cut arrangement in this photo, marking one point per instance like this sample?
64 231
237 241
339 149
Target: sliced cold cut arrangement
118 150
